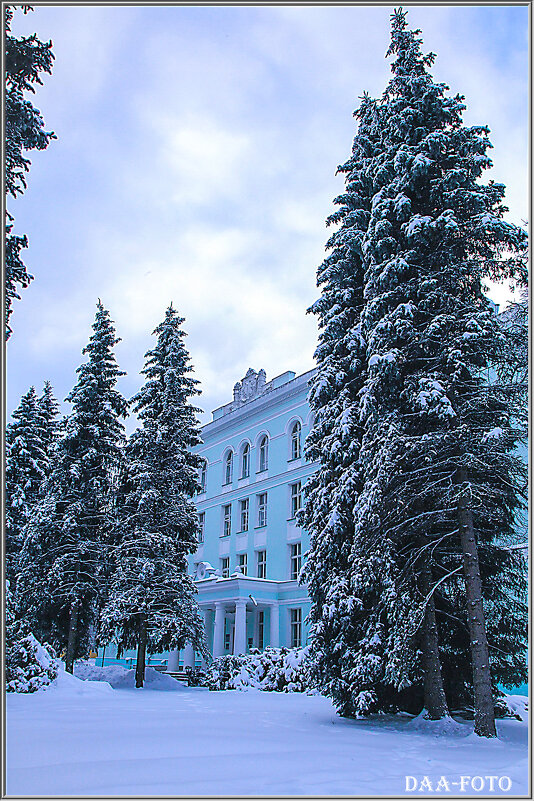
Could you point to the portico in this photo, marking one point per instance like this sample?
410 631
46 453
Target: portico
239 613
237 625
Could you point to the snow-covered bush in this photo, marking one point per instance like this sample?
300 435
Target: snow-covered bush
274 669
29 665
223 670
512 706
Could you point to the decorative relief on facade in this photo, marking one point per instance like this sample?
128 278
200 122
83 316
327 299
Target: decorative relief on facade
249 388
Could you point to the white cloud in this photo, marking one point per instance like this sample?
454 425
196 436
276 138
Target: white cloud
203 161
233 315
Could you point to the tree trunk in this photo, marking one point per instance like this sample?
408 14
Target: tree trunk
435 702
73 636
141 654
484 710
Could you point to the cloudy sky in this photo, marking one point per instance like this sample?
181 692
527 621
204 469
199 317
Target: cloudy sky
195 163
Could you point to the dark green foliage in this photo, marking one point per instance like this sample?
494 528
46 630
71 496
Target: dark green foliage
151 595
27 464
26 58
64 555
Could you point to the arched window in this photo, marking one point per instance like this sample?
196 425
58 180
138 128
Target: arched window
264 453
203 476
228 467
245 461
295 441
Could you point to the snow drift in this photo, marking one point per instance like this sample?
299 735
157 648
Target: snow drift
121 678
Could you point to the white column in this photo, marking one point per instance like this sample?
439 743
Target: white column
240 638
218 629
208 628
275 626
173 661
256 628
189 656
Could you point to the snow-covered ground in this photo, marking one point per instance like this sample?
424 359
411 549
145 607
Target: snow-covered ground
86 738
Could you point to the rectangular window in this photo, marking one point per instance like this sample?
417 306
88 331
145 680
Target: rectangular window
243 514
225 567
262 509
296 628
227 520
295 560
242 563
296 498
201 523
261 624
261 564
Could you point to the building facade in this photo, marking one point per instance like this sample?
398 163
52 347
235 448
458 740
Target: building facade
250 548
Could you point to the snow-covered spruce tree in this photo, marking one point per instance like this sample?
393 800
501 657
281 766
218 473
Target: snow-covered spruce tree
63 560
26 471
351 575
414 486
26 58
50 411
151 603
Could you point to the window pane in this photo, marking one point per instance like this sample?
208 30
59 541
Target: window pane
262 509
296 628
229 464
245 462
227 520
295 441
261 564
295 560
244 514
264 450
203 476
296 498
